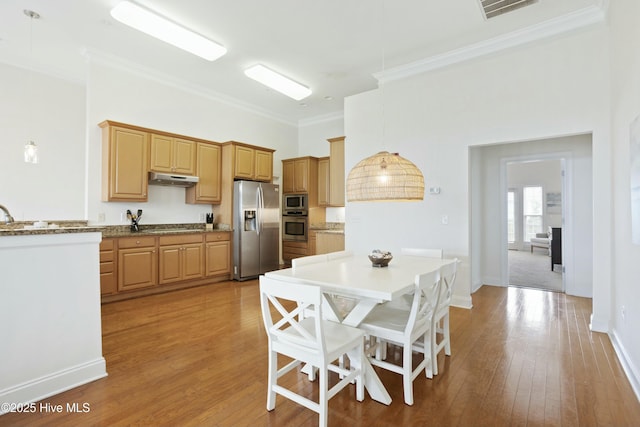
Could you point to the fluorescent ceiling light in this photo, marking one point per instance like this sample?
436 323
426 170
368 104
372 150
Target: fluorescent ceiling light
278 82
156 26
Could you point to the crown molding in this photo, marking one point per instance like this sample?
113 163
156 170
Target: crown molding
552 27
93 55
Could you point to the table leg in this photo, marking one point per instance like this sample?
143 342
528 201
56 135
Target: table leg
372 382
359 312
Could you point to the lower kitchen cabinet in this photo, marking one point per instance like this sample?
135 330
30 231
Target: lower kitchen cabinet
137 263
146 264
108 272
291 250
329 242
217 254
181 258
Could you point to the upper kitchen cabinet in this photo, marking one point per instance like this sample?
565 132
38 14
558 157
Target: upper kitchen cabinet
124 162
300 175
241 161
172 154
252 163
323 181
208 170
336 171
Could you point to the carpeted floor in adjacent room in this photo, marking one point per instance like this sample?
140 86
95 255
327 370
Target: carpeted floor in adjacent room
533 270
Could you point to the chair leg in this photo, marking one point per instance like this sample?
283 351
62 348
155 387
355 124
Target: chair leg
273 380
445 332
407 370
434 347
323 401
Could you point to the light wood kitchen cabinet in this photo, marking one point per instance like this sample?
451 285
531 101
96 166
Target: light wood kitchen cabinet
217 254
172 154
108 271
291 250
238 159
208 170
313 237
124 162
323 181
300 175
180 258
336 172
329 242
252 163
137 263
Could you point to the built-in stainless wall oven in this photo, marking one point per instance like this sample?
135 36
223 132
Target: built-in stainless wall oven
294 218
295 228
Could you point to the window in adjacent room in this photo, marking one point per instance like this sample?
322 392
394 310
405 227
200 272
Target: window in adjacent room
532 211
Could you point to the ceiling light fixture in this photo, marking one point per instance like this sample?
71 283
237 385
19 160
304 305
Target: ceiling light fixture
384 176
278 82
161 28
30 148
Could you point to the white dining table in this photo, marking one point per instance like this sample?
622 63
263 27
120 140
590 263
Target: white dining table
355 277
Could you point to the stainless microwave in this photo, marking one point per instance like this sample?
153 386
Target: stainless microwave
295 203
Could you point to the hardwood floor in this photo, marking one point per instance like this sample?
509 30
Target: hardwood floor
197 357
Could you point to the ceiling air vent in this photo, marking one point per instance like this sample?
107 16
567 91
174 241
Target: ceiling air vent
493 8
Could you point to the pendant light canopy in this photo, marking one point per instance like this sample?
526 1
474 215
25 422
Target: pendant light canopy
385 177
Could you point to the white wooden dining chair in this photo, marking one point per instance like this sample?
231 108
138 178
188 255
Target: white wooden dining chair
405 328
441 319
312 340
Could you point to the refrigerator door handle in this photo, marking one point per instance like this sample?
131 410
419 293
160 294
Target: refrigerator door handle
260 206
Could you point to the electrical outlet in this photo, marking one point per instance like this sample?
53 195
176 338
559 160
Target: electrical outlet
445 219
101 217
623 312
202 217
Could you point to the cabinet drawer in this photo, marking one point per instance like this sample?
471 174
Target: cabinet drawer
181 239
136 242
106 267
106 256
292 245
216 237
295 251
106 245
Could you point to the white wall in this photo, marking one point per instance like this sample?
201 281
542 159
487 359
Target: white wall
554 87
625 78
54 119
128 97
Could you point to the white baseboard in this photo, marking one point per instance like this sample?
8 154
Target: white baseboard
633 374
462 302
54 383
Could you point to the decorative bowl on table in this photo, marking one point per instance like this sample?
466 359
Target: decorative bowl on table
380 258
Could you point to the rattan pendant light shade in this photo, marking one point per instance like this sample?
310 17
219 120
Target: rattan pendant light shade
385 177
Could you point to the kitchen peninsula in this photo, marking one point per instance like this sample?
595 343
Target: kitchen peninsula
50 310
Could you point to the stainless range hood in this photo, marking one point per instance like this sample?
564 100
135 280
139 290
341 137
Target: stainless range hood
171 179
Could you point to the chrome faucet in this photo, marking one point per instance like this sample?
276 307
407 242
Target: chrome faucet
8 219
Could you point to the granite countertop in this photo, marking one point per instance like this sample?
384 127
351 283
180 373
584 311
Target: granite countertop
328 227
61 227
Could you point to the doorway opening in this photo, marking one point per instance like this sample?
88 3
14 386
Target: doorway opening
534 209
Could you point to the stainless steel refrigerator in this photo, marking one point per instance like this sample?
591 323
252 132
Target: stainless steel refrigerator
256 235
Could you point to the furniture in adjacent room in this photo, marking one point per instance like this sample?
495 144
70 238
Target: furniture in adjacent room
540 241
556 246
